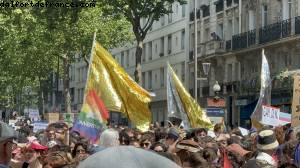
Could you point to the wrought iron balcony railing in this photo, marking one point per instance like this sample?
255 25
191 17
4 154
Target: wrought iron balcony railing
297 25
192 16
228 45
286 28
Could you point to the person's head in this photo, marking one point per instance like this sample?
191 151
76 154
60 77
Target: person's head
147 140
158 147
266 141
210 155
79 148
109 138
289 135
50 133
172 136
201 133
135 143
7 134
185 148
57 159
218 129
124 138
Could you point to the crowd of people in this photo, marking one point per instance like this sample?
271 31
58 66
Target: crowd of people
58 147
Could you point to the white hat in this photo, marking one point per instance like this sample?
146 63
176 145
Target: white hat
6 132
267 140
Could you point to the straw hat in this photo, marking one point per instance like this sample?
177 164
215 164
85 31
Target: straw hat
267 140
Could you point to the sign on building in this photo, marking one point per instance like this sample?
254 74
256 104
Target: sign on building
296 102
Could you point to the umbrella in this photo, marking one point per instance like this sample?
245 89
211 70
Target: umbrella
126 157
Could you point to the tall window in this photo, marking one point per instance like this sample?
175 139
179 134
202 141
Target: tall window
162 77
144 53
182 39
127 59
183 71
162 20
150 80
170 15
169 44
183 10
150 50
264 15
122 58
143 79
220 30
162 46
290 8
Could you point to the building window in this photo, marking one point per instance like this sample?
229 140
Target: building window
155 78
176 41
144 53
162 77
182 39
220 31
205 10
264 15
183 71
183 10
155 48
122 58
143 79
170 18
127 59
229 72
150 80
162 46
290 8
150 50
169 44
170 14
176 8
162 20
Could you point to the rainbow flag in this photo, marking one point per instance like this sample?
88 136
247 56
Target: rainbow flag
109 87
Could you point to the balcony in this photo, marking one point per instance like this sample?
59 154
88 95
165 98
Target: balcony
286 28
269 33
251 37
239 41
214 46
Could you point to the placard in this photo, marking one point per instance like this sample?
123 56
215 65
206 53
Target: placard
34 114
296 102
39 126
52 117
270 115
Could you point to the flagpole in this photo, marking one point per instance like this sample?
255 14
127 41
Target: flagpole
90 62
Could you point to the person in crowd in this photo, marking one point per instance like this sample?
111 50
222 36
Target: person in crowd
200 133
266 145
80 151
158 147
147 140
7 134
109 138
172 137
218 129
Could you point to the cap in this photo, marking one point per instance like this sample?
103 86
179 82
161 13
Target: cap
6 132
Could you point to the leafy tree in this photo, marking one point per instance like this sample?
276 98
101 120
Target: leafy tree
134 11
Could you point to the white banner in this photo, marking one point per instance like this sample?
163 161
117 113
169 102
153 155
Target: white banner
34 114
39 126
270 115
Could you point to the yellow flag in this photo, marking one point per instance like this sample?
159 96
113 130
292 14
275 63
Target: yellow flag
118 91
196 116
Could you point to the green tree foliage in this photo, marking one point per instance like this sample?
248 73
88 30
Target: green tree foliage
134 11
32 39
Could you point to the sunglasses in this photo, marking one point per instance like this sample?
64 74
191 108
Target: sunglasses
145 144
80 151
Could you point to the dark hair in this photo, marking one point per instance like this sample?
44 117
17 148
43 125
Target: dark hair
288 165
124 138
209 154
201 130
163 146
84 146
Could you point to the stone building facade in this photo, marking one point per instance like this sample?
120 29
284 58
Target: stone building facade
243 29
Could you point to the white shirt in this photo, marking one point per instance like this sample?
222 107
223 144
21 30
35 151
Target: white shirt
266 157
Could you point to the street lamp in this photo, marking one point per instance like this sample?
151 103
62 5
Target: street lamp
217 89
